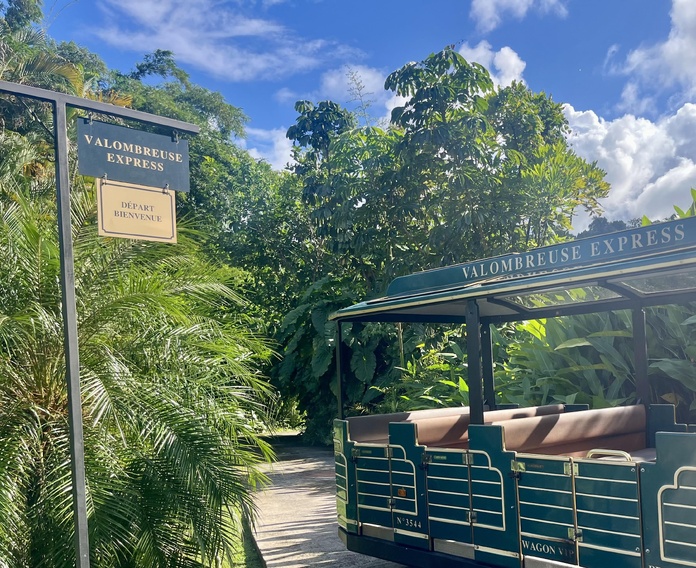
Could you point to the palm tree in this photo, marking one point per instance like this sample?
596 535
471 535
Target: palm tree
173 402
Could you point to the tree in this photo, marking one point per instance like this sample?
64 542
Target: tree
602 226
262 226
448 148
555 186
464 172
172 396
160 63
21 14
314 130
171 362
543 181
26 57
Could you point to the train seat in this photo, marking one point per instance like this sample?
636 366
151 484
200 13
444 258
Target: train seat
576 433
453 432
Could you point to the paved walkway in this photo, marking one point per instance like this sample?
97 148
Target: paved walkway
297 514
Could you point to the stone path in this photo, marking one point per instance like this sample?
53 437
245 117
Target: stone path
297 514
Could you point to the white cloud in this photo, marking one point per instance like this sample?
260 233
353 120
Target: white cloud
666 65
633 101
650 165
270 145
488 14
342 83
231 46
504 65
286 95
394 101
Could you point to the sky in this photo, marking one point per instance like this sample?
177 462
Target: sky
625 70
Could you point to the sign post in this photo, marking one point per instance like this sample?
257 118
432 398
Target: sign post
60 102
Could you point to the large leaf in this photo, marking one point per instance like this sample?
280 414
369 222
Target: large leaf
678 369
689 321
173 397
363 364
292 316
609 353
320 318
323 356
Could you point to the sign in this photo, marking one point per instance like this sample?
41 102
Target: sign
135 212
123 154
622 245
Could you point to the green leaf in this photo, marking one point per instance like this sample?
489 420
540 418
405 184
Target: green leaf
457 350
611 333
678 369
293 315
599 401
689 321
320 319
576 342
323 357
363 364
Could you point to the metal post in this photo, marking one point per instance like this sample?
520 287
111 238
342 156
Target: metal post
640 355
339 370
60 102
72 356
487 360
473 352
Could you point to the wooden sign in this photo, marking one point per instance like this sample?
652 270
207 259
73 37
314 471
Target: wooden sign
135 212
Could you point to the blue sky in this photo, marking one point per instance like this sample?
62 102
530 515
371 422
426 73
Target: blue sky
624 69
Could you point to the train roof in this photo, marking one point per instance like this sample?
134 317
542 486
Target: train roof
649 265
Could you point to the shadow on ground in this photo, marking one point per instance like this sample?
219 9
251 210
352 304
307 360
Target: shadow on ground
297 512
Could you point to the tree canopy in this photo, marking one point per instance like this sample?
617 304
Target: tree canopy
463 171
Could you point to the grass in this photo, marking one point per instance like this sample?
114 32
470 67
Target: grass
247 555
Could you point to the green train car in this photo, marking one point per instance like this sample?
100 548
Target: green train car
540 487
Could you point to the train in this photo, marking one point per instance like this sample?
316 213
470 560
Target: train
556 485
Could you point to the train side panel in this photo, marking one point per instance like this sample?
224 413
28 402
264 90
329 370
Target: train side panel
668 499
496 507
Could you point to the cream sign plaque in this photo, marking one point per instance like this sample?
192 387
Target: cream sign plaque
135 212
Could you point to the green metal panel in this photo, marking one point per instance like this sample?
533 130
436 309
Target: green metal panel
662 418
449 499
608 513
346 489
668 497
493 494
408 486
373 482
546 507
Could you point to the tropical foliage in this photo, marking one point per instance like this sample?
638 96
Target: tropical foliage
586 359
174 398
171 355
173 402
463 171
